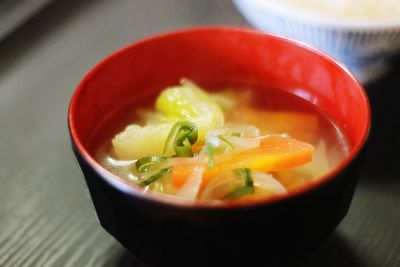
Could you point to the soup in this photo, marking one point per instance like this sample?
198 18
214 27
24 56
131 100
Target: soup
225 145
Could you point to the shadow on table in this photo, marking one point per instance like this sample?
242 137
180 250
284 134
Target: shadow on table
336 251
381 161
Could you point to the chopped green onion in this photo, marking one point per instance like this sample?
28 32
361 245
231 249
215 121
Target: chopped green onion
144 164
211 158
184 150
222 138
247 188
239 192
181 138
245 173
154 177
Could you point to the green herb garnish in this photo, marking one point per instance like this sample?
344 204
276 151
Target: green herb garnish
181 138
247 188
144 164
154 177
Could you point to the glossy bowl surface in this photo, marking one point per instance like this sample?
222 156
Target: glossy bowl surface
165 232
367 47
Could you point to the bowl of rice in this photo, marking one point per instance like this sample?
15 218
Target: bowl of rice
364 35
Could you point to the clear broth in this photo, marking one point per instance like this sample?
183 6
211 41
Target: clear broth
281 112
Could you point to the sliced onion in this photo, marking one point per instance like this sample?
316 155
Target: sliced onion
234 142
247 143
244 143
268 182
320 163
244 131
191 187
221 185
213 140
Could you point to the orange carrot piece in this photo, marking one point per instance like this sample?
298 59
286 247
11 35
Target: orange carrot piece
275 153
197 146
181 171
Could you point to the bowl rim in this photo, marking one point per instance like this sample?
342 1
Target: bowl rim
321 20
166 200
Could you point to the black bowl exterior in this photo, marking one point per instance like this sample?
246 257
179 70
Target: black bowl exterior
168 235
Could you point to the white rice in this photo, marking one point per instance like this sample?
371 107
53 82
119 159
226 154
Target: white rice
351 9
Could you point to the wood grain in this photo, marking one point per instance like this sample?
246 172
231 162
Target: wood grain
46 217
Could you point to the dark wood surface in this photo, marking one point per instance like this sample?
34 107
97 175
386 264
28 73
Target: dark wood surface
46 216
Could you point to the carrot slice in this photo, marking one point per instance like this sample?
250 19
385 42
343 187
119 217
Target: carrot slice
198 146
275 153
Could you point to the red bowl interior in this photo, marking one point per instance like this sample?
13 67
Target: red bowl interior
218 55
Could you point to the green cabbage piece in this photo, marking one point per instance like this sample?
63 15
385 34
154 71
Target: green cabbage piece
184 102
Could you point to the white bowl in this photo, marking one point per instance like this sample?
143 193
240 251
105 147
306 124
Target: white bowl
366 47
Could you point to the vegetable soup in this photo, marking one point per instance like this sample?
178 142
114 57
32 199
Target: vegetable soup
222 145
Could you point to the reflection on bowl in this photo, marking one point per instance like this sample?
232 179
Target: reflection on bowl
366 46
169 233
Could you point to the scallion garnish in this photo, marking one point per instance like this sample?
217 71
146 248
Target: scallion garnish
144 164
154 177
181 138
184 149
239 192
247 188
246 174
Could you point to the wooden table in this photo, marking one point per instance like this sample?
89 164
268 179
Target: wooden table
46 216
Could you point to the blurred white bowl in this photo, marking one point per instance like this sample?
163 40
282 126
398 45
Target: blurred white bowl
366 47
